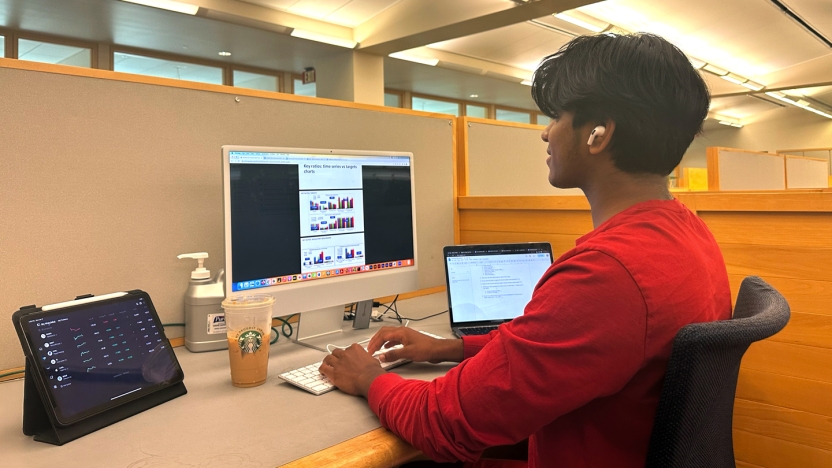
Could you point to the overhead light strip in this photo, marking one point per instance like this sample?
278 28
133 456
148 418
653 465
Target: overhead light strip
799 103
170 5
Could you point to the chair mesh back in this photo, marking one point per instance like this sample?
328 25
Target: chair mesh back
694 416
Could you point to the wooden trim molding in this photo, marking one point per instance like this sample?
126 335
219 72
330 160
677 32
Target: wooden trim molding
712 155
810 200
378 448
565 202
503 123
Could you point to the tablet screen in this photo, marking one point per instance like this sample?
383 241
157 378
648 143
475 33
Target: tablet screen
98 355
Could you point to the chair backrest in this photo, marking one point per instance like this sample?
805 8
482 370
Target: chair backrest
695 412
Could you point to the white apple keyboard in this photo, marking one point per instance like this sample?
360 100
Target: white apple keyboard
310 378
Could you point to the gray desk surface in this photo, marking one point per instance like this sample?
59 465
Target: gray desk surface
217 425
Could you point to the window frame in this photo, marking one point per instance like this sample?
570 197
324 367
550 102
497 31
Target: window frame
224 67
532 114
460 104
399 93
261 71
13 36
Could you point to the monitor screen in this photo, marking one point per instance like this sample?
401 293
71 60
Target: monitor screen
299 216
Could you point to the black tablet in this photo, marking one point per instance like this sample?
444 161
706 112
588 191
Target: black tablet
93 354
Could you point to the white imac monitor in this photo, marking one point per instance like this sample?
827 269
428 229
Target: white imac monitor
318 229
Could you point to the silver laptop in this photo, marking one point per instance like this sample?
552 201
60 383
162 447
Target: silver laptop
491 284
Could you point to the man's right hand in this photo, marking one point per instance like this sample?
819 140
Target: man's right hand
416 346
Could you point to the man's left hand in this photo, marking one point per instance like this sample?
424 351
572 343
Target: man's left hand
352 370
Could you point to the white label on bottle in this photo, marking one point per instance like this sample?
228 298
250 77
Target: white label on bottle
216 324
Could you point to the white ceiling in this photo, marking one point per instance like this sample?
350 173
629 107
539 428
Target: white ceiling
349 13
751 38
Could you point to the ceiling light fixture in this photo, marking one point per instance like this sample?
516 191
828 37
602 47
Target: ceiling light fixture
474 95
734 78
318 37
224 54
413 58
526 82
578 22
170 5
730 124
753 85
805 105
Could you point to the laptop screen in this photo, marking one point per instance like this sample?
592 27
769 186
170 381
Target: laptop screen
493 282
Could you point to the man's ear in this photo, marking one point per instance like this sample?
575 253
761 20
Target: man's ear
600 137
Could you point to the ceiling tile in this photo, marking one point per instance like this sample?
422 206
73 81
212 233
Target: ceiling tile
317 9
358 12
818 13
741 107
748 37
520 45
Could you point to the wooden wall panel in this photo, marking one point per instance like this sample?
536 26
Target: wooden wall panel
563 222
561 243
811 396
768 228
785 424
806 362
769 452
804 295
778 261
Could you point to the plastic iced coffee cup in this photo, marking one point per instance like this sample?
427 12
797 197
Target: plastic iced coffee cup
248 322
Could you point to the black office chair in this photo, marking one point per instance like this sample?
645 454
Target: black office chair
695 413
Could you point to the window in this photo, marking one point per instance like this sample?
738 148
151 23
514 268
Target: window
392 100
2 46
47 52
435 105
476 111
150 66
301 89
514 116
543 120
243 79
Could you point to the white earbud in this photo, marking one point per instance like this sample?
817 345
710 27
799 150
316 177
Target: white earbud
596 132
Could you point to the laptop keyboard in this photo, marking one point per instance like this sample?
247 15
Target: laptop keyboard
477 330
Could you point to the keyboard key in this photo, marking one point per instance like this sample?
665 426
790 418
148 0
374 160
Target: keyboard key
310 378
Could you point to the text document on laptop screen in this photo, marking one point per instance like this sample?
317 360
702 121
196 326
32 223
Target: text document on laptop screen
493 286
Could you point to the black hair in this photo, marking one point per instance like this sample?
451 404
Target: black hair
642 82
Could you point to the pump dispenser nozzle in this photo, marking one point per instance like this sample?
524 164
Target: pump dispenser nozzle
201 272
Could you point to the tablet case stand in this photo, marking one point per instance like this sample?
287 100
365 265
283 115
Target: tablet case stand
36 421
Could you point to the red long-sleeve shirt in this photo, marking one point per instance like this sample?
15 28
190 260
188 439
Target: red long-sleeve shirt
580 372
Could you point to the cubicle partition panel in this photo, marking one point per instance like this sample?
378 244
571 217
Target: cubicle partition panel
108 176
806 173
742 170
783 405
506 159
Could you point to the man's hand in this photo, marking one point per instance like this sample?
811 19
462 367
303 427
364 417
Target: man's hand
352 370
416 346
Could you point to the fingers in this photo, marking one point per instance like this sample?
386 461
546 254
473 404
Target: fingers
384 335
390 356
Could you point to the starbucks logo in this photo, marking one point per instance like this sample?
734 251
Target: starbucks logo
250 341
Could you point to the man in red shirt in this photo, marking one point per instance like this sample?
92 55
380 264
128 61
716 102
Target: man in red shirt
580 372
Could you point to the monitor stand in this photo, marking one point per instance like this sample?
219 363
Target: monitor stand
317 328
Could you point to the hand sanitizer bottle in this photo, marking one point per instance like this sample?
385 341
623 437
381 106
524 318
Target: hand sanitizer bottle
204 317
